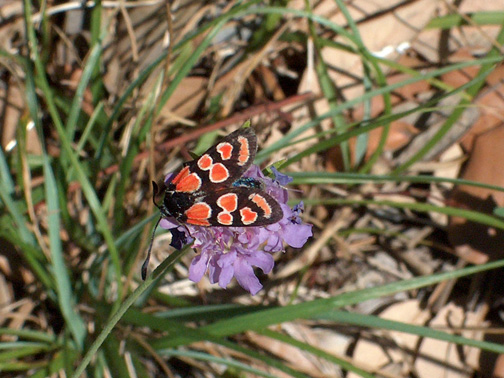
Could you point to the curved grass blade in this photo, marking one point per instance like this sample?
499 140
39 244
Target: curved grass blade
114 319
316 352
321 178
6 193
65 298
456 20
307 310
470 215
86 186
230 363
372 321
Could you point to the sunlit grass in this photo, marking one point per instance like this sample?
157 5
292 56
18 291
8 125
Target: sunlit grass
86 242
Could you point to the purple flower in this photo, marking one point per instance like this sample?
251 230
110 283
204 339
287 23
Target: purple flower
281 178
227 252
290 230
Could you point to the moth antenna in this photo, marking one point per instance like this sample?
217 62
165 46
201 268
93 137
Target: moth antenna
187 229
292 189
145 265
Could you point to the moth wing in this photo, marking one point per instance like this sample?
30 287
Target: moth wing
220 165
234 207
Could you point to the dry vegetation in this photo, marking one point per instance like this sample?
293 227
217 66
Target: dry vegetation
379 110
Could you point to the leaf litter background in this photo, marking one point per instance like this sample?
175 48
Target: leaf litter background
275 85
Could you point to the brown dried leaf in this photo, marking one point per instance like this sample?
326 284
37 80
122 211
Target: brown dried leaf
374 356
474 242
438 358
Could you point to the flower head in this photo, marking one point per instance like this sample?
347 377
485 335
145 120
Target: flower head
227 252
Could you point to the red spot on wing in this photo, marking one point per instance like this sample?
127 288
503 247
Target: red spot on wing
248 216
189 183
228 202
218 173
183 173
198 214
244 154
262 203
225 218
225 150
205 162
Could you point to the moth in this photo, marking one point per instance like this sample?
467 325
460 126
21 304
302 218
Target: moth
210 190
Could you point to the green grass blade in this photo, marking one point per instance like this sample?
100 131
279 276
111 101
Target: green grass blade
33 255
456 20
328 143
6 181
119 106
470 215
90 67
86 186
66 300
190 335
114 319
138 134
330 93
189 63
369 61
6 193
15 350
230 363
89 127
29 335
316 352
321 178
261 319
311 309
379 323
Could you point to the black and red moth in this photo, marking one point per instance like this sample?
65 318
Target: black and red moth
210 190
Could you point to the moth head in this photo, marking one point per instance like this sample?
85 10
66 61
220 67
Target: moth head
155 191
162 208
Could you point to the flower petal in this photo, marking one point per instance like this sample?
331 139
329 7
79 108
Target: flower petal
168 223
198 267
274 243
168 177
277 192
226 275
296 235
281 178
227 259
214 271
254 172
179 238
262 260
245 276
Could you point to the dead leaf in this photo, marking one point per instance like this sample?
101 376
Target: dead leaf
477 243
296 357
439 358
392 357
